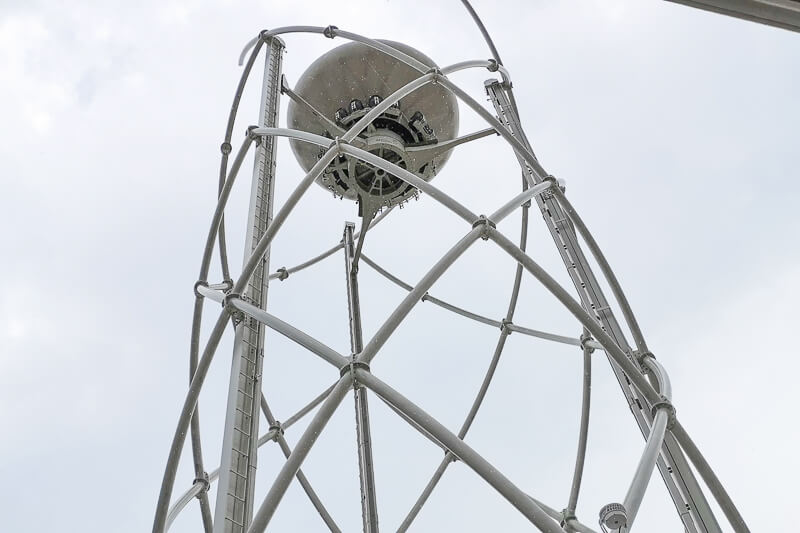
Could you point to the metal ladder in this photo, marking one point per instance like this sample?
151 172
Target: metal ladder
687 495
234 506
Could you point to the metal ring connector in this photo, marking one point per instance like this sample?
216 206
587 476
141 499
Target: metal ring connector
204 481
665 404
585 338
351 366
504 326
277 427
282 273
640 359
236 315
330 31
566 516
486 223
199 283
492 66
225 148
337 142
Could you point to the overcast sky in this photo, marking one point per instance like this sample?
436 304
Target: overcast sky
676 131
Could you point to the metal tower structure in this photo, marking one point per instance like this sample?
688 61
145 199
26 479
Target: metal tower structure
380 154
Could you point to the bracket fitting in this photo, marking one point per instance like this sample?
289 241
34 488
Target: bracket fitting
198 284
277 427
640 358
664 404
486 223
504 323
492 66
330 31
585 338
351 367
236 315
203 479
437 75
254 136
566 516
282 273
337 142
225 148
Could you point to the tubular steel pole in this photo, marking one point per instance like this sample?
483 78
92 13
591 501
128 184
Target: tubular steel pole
402 310
199 485
465 453
301 477
301 449
369 505
501 341
580 459
710 478
238 464
170 470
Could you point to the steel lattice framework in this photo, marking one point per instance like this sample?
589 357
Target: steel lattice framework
642 378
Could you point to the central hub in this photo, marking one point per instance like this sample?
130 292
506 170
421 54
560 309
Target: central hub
341 87
388 137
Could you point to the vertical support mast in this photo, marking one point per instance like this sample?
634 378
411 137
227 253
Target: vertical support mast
369 506
692 506
234 506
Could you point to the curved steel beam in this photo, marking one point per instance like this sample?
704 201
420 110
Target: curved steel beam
524 504
171 468
501 341
561 339
611 348
583 433
644 470
605 268
295 460
385 331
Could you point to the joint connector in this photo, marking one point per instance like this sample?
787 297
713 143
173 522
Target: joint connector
486 223
424 297
552 179
282 273
226 301
665 404
277 427
205 482
585 338
493 66
527 204
330 31
225 148
236 315
437 74
351 366
264 35
198 284
504 326
450 456
252 135
566 516
641 357
337 142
